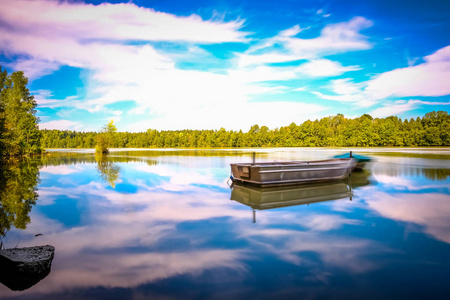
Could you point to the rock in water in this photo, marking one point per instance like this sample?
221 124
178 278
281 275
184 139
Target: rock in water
21 268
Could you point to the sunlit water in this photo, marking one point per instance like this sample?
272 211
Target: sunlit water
166 225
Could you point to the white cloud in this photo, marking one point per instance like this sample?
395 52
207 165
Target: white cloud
334 38
125 21
392 109
51 34
290 32
300 89
232 115
60 124
35 68
322 13
427 79
324 68
346 86
347 91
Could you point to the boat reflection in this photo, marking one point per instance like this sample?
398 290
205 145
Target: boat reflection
269 198
359 179
259 198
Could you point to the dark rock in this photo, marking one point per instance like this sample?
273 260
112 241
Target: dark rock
21 268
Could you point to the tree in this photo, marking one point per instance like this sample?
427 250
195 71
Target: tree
19 131
105 138
3 75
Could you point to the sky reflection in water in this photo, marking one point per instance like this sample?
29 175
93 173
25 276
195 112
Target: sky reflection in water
161 224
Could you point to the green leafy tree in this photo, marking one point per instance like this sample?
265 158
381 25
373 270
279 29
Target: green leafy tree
19 131
3 75
105 138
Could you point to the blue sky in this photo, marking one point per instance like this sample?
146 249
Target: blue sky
208 64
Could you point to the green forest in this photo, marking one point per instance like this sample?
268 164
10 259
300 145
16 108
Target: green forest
433 129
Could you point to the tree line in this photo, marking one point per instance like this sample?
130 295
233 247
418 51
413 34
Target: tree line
433 129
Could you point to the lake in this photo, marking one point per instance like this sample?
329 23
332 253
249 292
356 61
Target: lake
166 224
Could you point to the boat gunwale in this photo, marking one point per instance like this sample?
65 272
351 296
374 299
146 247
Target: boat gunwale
328 162
299 170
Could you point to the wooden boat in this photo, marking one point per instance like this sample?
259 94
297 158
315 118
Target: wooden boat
290 173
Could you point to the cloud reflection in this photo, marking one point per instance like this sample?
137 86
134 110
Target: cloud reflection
430 210
123 245
61 170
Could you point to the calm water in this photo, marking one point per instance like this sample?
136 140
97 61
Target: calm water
166 225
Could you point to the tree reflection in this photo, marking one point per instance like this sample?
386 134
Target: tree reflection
436 174
71 158
430 173
107 169
18 193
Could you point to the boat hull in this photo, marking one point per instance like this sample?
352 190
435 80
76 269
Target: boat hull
292 173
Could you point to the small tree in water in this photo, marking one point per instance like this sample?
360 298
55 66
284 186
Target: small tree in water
105 138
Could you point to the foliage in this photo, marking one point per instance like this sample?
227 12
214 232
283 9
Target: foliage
334 131
105 138
18 192
19 132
